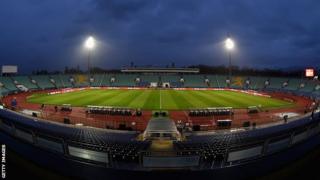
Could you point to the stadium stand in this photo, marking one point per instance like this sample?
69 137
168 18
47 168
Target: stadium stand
221 81
174 80
277 83
170 78
56 80
125 80
106 80
293 84
149 78
7 82
117 150
65 79
194 81
43 81
238 82
308 86
115 143
212 81
81 80
4 91
97 80
257 82
26 81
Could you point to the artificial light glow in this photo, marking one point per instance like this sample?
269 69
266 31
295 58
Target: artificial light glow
90 43
229 44
309 72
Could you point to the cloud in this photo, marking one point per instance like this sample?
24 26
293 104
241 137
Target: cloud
281 33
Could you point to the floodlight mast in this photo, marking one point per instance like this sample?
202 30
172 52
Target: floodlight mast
229 45
89 45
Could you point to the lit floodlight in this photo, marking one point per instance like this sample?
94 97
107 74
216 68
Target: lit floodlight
229 44
90 43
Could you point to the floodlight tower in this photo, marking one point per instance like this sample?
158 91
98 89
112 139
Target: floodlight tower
229 45
89 45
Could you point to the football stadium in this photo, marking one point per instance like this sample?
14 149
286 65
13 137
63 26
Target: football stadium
158 121
249 118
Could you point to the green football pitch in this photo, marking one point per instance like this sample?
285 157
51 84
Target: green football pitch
154 99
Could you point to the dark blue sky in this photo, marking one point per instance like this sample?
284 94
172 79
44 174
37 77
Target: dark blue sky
49 34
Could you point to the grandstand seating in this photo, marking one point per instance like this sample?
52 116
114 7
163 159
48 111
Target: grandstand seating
149 78
238 82
81 80
43 81
4 91
120 145
277 83
221 81
98 78
57 81
121 149
65 80
194 81
170 78
214 146
293 84
125 80
26 81
106 80
308 85
8 83
316 93
212 81
116 144
257 82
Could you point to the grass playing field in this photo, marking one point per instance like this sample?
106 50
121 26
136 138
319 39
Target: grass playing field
153 99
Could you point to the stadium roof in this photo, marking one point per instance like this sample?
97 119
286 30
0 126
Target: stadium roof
160 70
